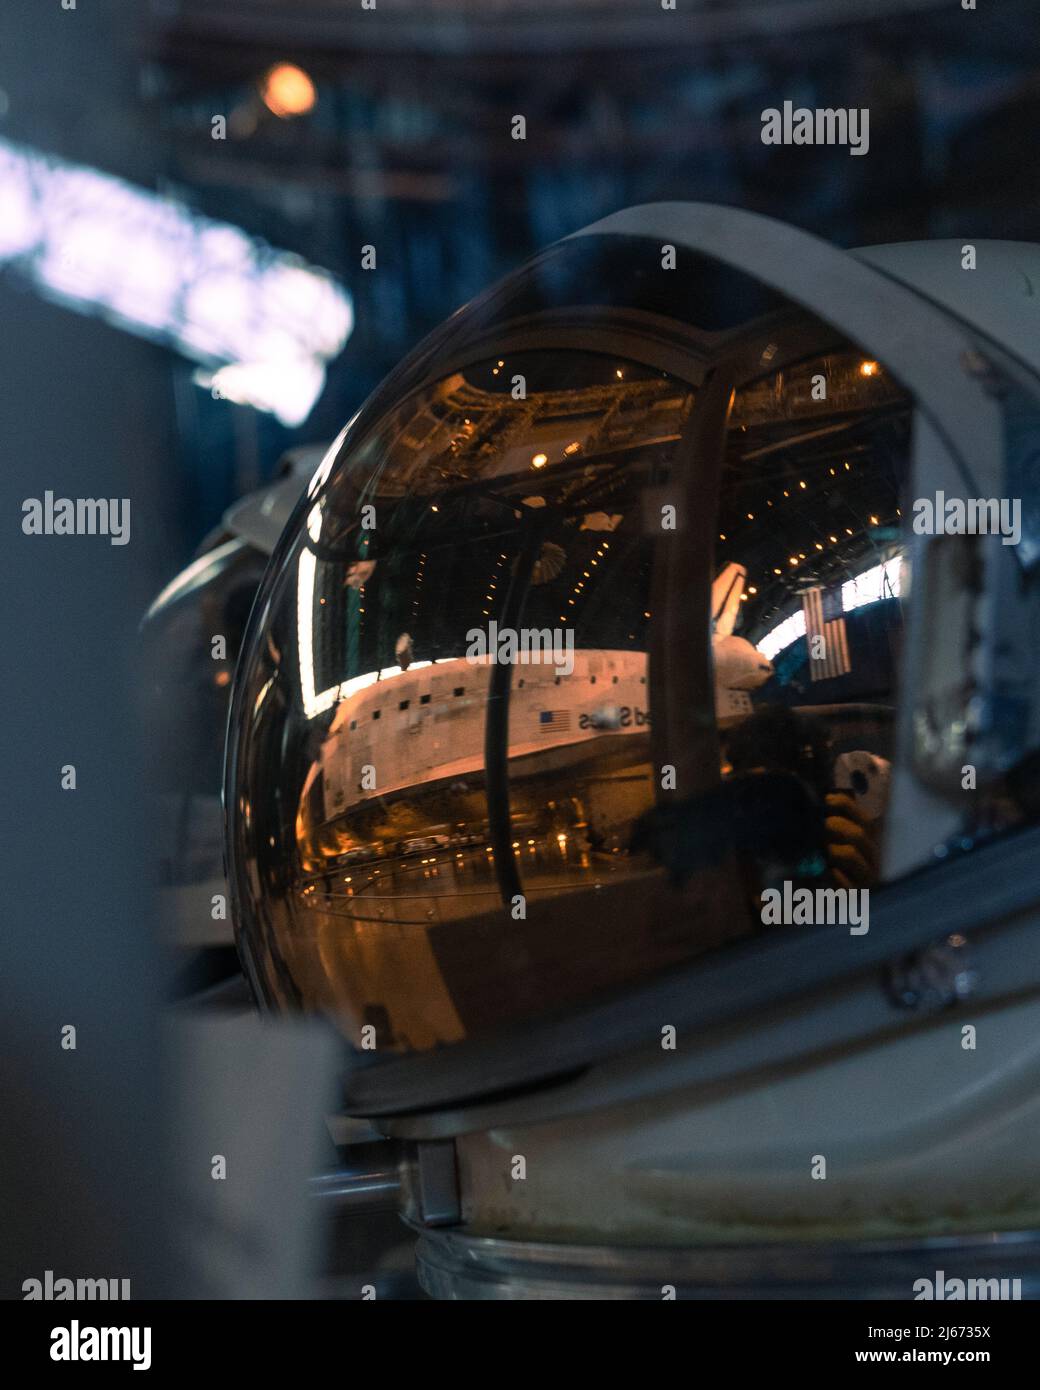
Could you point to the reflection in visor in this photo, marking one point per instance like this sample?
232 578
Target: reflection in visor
476 575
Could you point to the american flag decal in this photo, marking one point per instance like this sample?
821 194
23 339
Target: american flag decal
824 618
554 721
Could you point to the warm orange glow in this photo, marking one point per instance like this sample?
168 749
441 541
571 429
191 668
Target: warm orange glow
539 460
869 369
288 91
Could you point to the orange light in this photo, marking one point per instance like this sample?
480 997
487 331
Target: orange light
868 369
288 91
539 460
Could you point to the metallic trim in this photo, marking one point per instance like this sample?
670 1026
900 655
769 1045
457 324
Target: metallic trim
452 1265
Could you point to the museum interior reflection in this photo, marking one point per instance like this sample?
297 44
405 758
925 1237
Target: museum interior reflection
476 515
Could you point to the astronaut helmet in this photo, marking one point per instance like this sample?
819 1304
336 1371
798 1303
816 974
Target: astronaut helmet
633 753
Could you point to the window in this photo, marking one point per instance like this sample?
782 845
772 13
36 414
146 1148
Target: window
461 689
404 704
375 714
424 699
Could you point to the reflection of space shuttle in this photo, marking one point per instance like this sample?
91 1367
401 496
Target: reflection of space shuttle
739 667
424 726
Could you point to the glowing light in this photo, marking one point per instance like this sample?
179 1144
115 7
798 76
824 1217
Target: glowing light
324 468
96 244
782 635
288 91
881 581
539 460
287 390
869 369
